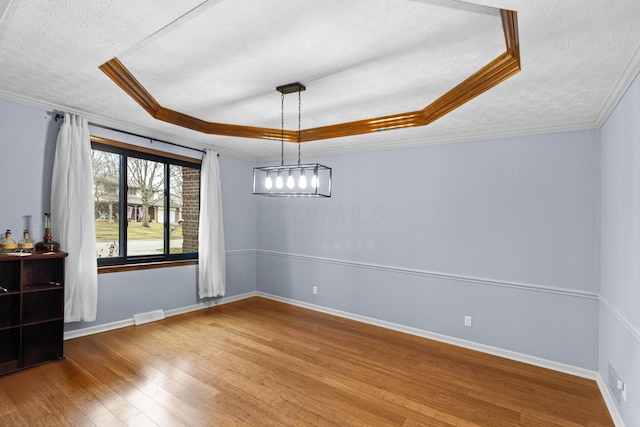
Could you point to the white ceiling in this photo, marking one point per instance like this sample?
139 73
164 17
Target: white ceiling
220 61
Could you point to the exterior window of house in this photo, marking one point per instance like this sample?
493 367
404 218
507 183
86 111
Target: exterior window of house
146 204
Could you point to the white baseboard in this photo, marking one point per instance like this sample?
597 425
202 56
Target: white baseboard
610 401
496 351
209 303
77 333
168 313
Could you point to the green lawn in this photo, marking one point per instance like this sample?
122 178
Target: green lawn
108 231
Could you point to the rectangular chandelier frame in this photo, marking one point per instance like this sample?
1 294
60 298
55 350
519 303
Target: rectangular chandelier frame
273 181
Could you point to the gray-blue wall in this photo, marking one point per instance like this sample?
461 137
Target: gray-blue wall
27 145
503 231
620 249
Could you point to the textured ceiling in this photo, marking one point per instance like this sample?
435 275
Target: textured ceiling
221 61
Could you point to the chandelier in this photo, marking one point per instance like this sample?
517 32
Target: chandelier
296 180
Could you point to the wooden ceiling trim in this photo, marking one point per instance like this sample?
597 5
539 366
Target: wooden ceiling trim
492 74
510 28
486 78
212 128
127 82
395 121
498 70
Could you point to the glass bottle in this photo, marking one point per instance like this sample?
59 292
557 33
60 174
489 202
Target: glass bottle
26 244
47 244
7 244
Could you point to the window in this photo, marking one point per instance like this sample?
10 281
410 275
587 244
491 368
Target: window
146 204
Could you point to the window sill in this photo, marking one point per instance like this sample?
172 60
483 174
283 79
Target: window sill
145 266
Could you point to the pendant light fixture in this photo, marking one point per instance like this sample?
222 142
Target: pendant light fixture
298 180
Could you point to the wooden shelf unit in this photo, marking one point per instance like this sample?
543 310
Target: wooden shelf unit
31 309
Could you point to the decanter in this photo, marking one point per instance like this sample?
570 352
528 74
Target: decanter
47 244
7 244
26 244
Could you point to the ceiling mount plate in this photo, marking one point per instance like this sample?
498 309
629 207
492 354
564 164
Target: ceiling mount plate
291 88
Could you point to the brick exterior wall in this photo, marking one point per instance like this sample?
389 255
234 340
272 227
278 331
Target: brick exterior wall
190 209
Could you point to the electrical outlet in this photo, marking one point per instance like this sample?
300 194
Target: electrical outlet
467 321
315 290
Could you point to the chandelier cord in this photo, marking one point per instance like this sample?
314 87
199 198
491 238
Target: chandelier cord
282 129
299 117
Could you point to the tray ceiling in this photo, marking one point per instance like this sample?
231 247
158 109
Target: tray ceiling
221 61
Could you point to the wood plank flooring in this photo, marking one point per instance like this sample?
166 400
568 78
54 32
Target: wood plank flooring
258 362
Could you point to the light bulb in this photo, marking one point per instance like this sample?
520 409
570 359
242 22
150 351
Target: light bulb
279 183
290 182
268 183
302 182
314 180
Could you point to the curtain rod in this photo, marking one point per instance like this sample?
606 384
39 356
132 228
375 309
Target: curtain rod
60 116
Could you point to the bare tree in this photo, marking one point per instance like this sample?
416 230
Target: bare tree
105 179
147 177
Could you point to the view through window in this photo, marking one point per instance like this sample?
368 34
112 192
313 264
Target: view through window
146 205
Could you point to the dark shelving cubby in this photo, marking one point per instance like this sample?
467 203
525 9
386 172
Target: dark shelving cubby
42 272
42 342
42 306
31 309
9 311
10 276
9 349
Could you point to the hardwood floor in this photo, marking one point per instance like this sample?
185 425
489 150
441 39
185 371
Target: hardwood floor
258 362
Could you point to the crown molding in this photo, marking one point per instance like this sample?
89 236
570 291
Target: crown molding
55 108
631 71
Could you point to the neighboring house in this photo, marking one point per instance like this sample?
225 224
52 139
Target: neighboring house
106 207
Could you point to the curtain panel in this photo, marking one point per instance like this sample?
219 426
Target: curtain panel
211 250
72 217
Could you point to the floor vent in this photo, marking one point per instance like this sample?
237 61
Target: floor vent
150 316
614 384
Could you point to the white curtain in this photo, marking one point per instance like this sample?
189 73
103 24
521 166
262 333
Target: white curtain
211 253
72 218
